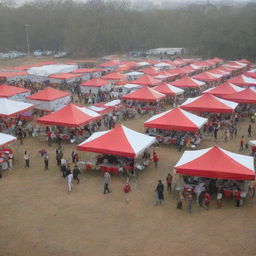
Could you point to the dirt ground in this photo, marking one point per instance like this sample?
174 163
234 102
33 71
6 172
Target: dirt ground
39 217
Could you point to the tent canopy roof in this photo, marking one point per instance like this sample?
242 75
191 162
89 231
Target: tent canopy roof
144 94
168 89
95 82
209 103
48 94
6 139
187 82
176 119
10 108
9 91
203 163
247 96
120 141
75 116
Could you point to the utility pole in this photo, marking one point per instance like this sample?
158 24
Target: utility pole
27 37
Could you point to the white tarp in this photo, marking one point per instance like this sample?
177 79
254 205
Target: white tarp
48 70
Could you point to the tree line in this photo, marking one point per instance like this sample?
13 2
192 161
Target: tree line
97 28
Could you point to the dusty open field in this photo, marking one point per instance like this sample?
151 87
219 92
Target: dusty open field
39 217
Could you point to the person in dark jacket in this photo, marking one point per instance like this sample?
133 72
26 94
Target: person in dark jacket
159 193
76 172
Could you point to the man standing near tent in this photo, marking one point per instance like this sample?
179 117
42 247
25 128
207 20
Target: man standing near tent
241 144
159 193
70 179
107 180
169 182
155 158
46 162
26 158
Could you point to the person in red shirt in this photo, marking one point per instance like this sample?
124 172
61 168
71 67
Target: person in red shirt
169 182
155 158
241 144
127 188
207 199
238 198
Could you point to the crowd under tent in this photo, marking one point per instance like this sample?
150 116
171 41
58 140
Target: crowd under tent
188 82
13 92
10 108
229 166
144 94
94 85
146 80
60 77
209 103
70 116
242 80
246 96
223 89
176 119
50 99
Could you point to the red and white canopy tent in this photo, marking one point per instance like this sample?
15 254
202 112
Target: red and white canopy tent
50 99
104 108
11 76
188 82
168 89
217 60
251 73
202 163
70 116
94 85
242 80
208 77
10 108
6 139
114 77
189 69
246 96
209 103
13 92
120 141
145 94
60 77
87 73
146 80
223 89
176 119
151 71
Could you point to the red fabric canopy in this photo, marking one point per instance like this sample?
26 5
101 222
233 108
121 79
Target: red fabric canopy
209 103
250 74
48 94
13 74
216 60
168 89
111 63
63 76
95 82
87 70
206 77
146 80
187 70
202 163
114 76
144 94
243 81
120 141
187 82
177 120
247 96
9 91
70 116
223 89
150 71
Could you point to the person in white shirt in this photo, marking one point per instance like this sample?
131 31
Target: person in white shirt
106 181
70 179
26 158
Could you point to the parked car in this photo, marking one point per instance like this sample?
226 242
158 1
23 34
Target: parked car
60 55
